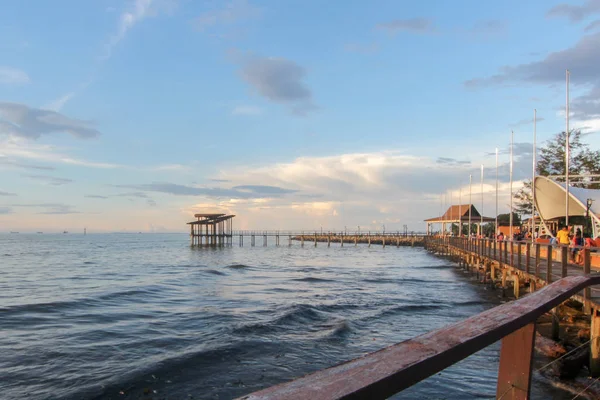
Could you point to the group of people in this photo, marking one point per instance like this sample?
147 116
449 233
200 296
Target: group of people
576 242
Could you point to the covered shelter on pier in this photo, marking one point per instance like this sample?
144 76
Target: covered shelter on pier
551 202
458 214
211 229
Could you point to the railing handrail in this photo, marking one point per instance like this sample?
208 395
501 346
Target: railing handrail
388 371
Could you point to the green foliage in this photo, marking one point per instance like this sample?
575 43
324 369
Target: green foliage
504 219
551 161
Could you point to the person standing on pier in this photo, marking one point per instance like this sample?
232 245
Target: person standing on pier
563 236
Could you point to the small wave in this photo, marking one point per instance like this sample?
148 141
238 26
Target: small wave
298 315
340 329
7 255
238 266
468 303
58 306
313 279
214 272
180 367
435 267
381 280
89 263
412 308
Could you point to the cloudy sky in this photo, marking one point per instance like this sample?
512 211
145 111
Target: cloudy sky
298 114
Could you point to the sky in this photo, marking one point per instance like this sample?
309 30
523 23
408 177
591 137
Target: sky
133 115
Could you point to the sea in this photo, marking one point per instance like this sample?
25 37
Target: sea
147 316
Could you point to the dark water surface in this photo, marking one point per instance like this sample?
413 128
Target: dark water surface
112 316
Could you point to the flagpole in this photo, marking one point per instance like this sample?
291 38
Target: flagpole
460 212
512 140
496 228
470 202
481 212
533 176
451 213
567 156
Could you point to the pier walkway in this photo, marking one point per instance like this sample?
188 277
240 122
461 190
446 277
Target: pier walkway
550 278
341 238
522 264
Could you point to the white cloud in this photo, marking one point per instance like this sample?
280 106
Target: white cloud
59 103
139 10
357 188
10 75
28 122
20 148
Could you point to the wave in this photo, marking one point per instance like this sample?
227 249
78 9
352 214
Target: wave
214 272
59 306
238 266
161 374
381 280
313 279
299 315
89 263
435 267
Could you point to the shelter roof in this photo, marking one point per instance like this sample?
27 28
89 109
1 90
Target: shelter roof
460 212
209 219
550 199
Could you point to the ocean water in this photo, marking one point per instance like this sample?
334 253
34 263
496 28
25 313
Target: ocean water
128 316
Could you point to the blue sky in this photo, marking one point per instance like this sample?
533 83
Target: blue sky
133 115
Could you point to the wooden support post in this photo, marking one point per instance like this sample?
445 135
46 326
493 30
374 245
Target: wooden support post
302 240
342 240
537 260
505 252
532 284
555 324
369 238
512 253
355 240
383 238
290 240
549 264
495 245
587 262
519 255
398 241
595 345
516 359
564 260
493 273
315 239
528 257
516 285
328 240
504 273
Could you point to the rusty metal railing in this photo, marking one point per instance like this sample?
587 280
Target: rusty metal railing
388 371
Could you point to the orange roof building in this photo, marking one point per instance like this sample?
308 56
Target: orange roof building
458 214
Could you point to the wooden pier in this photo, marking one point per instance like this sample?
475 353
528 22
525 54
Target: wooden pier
211 230
396 239
551 280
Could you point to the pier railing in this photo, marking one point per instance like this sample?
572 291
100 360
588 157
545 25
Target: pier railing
388 371
326 233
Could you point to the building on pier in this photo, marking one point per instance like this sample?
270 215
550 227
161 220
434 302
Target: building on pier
550 203
211 230
458 214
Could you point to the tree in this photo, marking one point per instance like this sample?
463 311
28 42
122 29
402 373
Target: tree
504 219
551 161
